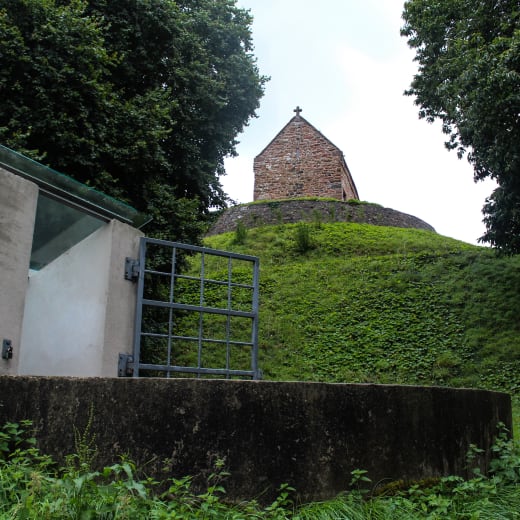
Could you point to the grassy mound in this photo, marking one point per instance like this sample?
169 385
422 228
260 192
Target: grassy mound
344 302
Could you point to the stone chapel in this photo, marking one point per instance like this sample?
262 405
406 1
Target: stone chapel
301 162
295 174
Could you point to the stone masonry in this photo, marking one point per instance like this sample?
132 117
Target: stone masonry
276 212
301 162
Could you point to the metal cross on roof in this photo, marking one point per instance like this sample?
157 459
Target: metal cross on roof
297 110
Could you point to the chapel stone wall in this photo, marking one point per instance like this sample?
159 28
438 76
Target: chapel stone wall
301 162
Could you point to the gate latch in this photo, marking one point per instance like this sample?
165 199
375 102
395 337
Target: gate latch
131 269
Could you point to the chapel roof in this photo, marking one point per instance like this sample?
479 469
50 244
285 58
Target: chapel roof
295 119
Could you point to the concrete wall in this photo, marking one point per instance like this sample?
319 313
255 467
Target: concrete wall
121 298
18 199
79 309
291 211
309 435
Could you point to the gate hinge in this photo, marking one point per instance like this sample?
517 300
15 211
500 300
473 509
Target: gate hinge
7 349
131 269
125 365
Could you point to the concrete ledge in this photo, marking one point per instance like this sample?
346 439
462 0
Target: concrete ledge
275 212
18 199
310 435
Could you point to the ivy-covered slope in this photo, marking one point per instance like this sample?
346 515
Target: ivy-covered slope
344 302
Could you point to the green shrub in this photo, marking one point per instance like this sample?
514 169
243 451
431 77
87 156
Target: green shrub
303 239
240 233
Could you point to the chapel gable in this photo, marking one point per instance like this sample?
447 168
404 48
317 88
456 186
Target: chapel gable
301 162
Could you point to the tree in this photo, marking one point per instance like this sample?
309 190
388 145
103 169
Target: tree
142 99
468 53
55 97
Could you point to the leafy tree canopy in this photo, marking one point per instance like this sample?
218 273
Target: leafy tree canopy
142 99
468 53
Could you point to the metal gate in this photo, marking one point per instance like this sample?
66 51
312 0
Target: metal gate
197 312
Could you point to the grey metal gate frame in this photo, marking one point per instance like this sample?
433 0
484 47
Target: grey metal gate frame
137 270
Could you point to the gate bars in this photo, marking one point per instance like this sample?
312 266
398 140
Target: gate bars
225 301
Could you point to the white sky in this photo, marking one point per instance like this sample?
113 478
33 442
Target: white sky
345 63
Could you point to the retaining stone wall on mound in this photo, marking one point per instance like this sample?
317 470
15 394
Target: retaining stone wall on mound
291 211
309 435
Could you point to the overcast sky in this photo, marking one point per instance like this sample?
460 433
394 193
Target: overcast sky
345 64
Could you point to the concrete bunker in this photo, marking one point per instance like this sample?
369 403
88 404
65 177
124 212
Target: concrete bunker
65 308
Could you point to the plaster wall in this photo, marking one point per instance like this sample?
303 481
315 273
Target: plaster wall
79 309
18 199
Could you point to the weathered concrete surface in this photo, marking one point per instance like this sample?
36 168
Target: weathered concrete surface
290 211
79 309
121 297
310 435
18 199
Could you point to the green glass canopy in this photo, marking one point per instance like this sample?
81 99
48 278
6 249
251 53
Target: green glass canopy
67 210
69 191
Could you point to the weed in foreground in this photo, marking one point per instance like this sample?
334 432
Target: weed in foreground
32 487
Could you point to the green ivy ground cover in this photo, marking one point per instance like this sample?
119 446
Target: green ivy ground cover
362 303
